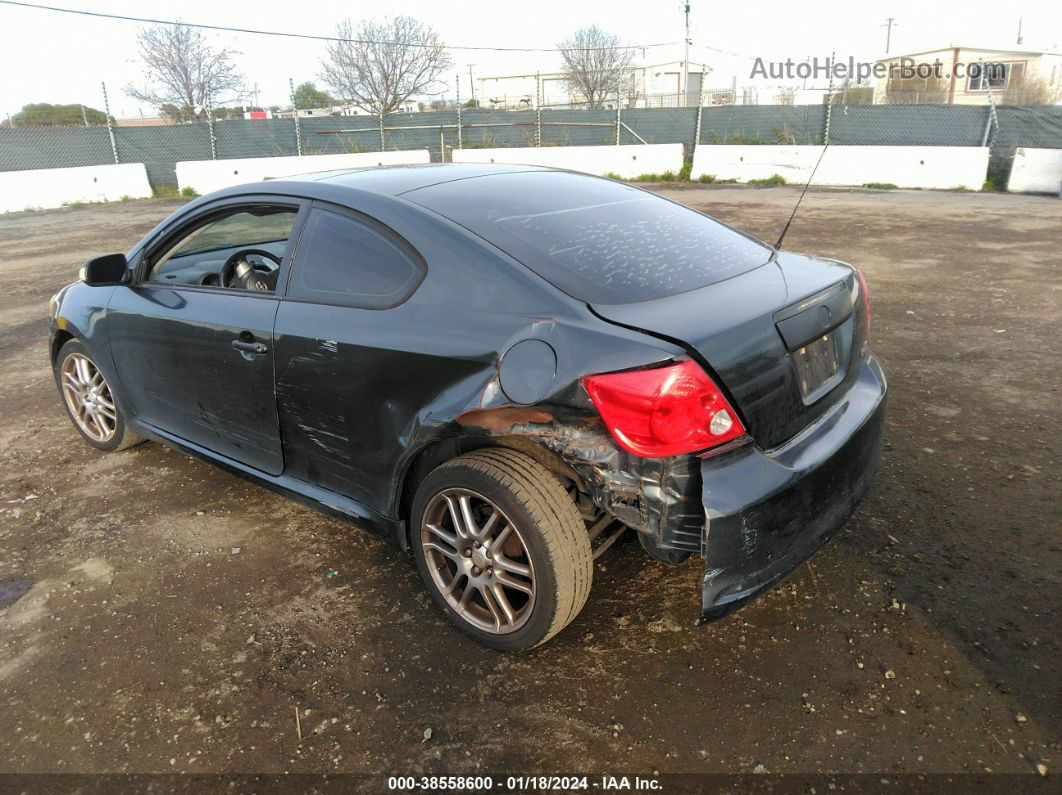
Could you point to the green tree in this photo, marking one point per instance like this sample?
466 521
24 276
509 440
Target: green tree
177 114
43 114
307 95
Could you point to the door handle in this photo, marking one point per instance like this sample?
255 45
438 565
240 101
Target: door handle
249 347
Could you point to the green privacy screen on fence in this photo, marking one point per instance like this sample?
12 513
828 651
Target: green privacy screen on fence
159 148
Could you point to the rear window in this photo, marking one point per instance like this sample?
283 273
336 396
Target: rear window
343 261
597 240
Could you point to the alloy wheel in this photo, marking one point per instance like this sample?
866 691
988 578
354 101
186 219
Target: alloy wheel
478 560
89 398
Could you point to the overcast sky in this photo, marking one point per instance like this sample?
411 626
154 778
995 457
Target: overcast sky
60 58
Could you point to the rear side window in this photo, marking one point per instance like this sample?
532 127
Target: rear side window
344 261
597 240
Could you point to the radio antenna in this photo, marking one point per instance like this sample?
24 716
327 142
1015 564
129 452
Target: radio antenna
796 207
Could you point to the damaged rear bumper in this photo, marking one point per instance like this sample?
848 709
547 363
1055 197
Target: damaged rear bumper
769 512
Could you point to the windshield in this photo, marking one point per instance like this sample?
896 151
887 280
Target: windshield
600 241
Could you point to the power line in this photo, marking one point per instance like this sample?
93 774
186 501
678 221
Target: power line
311 36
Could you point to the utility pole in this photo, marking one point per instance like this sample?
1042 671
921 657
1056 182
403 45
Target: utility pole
685 81
84 118
471 82
1020 20
888 32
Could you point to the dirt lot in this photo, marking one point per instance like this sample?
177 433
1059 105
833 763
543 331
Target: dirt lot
177 617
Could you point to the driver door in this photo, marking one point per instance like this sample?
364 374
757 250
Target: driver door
195 358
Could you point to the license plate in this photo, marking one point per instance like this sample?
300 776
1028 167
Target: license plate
816 366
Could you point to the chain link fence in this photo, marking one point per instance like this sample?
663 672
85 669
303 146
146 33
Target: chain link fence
159 147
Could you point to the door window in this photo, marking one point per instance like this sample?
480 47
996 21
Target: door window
250 241
345 261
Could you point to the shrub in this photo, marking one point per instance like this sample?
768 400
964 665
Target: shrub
667 176
774 179
879 185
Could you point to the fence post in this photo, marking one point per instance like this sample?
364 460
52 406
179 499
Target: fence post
538 109
829 112
697 128
210 130
618 122
992 117
457 84
988 125
829 102
295 116
110 130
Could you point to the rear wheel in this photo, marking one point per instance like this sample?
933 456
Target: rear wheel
502 548
89 400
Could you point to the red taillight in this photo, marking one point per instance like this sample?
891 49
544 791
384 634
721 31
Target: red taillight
663 412
865 291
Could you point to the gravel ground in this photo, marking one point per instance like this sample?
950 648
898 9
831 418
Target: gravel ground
173 618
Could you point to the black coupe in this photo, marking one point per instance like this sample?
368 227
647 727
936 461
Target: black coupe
495 367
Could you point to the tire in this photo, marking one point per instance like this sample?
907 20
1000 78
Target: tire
550 543
102 424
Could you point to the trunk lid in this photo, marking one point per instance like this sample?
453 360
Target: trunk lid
781 340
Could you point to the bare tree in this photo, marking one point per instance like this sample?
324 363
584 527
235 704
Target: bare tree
379 65
1031 90
786 95
595 64
182 68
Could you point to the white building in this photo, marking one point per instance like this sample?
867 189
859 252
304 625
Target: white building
967 75
646 85
409 106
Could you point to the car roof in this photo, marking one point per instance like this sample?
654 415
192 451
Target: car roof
374 190
396 180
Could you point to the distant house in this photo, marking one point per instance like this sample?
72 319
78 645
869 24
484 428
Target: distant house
968 75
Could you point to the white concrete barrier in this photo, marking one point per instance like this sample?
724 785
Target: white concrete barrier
206 176
626 161
53 187
1036 171
942 167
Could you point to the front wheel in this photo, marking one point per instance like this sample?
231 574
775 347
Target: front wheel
89 400
502 548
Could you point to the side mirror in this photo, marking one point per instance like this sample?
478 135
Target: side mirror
108 269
